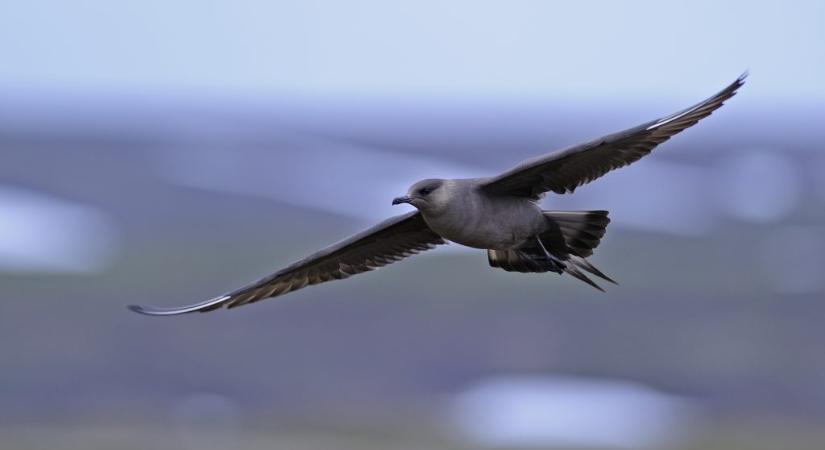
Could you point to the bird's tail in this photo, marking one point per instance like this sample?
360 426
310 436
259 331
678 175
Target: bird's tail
582 230
569 239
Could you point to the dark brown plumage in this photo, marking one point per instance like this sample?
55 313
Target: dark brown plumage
389 241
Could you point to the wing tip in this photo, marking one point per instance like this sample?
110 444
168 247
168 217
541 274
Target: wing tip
152 311
137 308
158 312
718 100
740 81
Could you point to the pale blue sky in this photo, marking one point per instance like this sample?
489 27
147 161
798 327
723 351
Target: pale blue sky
466 47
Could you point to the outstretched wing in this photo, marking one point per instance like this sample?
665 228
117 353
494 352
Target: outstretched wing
565 170
389 241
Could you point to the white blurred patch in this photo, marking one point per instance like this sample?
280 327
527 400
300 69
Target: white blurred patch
759 186
335 177
41 233
207 421
793 259
533 411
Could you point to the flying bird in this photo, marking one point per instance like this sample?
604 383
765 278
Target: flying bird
500 214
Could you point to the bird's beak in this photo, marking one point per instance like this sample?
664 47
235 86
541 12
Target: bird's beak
403 199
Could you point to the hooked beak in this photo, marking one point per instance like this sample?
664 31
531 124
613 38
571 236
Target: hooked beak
402 199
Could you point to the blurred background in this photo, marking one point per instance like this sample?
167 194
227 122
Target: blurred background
162 153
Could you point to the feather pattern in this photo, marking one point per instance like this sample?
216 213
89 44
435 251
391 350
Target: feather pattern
389 241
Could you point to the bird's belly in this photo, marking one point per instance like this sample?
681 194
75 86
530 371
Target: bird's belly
499 241
485 233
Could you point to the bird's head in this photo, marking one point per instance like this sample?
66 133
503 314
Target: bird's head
428 195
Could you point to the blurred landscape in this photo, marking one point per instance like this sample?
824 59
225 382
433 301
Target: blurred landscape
125 195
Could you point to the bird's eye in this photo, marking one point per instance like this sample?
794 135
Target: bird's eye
425 191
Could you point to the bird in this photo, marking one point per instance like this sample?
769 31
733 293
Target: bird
500 214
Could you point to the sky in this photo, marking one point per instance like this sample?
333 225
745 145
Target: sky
425 47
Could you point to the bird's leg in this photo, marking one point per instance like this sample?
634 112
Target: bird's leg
558 265
571 269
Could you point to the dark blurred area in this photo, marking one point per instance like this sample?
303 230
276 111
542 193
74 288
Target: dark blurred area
167 193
